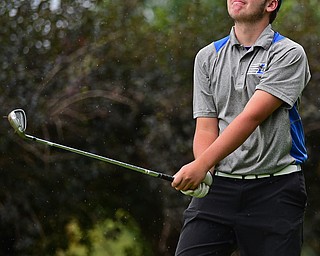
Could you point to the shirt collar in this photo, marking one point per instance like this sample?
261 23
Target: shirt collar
264 40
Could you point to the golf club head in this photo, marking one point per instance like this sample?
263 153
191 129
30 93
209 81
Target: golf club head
18 120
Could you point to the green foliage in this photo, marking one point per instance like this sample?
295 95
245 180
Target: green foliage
118 237
114 78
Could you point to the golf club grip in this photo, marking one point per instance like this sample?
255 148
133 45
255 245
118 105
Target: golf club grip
165 177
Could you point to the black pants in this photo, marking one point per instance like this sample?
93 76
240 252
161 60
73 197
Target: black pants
261 217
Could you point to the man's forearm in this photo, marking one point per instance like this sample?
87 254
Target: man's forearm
202 141
205 134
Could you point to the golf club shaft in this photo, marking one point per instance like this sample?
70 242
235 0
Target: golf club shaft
102 158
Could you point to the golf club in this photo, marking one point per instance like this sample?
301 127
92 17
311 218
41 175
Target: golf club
18 120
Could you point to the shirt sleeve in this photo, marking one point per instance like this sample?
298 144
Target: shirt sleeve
287 73
203 104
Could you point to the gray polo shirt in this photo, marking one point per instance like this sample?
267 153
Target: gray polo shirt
226 75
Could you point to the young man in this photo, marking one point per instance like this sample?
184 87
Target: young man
249 134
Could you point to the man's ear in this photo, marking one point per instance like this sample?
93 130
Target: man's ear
272 5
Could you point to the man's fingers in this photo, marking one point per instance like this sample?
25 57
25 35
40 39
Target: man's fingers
183 184
200 192
186 184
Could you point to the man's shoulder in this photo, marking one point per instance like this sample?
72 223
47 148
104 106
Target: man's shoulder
286 45
213 48
219 44
206 52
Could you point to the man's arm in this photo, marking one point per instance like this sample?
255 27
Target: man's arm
205 134
260 106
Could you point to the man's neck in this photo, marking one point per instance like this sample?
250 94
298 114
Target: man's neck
247 34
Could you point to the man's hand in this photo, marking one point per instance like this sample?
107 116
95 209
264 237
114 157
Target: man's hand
190 176
193 179
203 189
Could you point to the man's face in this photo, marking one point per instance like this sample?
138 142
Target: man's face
247 10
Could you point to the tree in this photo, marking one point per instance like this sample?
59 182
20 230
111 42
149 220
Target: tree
115 79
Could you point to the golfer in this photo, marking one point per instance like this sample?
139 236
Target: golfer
247 88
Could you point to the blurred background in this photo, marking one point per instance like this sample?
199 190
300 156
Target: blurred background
115 78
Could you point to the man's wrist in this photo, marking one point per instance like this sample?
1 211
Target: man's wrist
203 165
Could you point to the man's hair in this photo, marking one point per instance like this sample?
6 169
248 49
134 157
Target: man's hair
273 15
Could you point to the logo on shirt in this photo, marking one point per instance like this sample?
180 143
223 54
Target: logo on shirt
257 68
